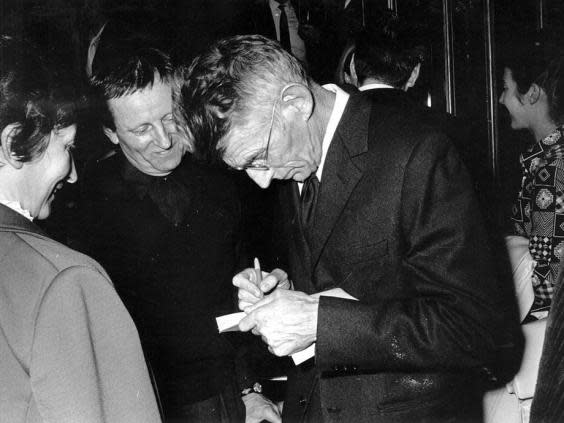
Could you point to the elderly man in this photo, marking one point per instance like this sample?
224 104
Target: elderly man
165 227
377 208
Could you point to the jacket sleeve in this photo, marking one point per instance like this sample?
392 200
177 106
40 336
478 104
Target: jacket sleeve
450 319
87 364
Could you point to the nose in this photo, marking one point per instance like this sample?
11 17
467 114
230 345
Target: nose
261 177
162 138
500 99
72 176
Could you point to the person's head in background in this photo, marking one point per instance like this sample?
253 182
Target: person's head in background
131 79
533 88
387 53
38 118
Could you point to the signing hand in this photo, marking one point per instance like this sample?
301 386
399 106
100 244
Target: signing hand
286 320
259 408
251 291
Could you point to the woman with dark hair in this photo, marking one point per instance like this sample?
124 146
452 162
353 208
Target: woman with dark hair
69 352
532 94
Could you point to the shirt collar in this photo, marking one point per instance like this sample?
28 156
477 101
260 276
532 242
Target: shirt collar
341 99
374 86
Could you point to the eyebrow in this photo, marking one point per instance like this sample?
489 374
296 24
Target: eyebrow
251 157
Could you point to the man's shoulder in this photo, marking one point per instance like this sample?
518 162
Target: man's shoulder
397 120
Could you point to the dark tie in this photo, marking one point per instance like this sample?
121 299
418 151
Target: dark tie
308 201
284 30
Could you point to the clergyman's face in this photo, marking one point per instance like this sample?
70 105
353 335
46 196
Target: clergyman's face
291 151
146 130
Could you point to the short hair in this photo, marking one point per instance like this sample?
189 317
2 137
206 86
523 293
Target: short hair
30 97
234 78
388 51
126 60
535 61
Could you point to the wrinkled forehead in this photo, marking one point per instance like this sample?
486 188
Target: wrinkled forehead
153 101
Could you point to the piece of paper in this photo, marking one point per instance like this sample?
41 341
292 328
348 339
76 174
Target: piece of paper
230 323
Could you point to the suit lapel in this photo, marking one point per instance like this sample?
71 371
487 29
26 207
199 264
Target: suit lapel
342 170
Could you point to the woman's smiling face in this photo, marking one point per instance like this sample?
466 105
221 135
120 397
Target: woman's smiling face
46 174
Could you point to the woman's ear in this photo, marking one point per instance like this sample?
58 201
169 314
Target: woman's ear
534 93
296 99
7 138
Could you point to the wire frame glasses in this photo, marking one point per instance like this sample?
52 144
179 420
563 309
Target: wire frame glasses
262 164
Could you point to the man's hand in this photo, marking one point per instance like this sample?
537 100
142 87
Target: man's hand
259 408
286 320
251 291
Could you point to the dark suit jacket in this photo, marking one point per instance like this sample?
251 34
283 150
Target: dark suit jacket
458 131
396 227
173 273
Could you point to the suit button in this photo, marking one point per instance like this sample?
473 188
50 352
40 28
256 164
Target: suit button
302 401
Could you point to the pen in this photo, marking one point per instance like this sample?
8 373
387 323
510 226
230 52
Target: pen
258 272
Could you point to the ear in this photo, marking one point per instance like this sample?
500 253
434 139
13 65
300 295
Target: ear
413 77
534 93
296 101
7 156
112 136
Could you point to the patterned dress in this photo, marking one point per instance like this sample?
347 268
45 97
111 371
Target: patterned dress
538 213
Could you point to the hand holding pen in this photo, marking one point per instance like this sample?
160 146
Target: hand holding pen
254 284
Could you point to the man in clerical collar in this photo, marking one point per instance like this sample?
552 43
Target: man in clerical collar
165 227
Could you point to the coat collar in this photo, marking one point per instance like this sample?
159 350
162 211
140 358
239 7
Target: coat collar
15 222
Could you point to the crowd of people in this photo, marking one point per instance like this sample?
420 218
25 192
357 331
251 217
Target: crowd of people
382 271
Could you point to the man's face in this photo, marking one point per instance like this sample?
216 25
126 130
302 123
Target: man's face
146 130
292 152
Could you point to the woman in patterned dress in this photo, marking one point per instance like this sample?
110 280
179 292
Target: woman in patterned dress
533 94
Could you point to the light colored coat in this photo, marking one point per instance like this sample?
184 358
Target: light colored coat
69 351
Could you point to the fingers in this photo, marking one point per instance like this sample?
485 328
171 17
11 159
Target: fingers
276 278
246 280
247 323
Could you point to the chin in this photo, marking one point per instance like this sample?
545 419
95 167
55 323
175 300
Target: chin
517 125
43 213
169 165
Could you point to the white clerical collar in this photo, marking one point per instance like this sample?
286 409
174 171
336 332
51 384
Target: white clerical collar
375 86
341 98
16 206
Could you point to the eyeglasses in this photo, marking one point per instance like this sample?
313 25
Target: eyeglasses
262 164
